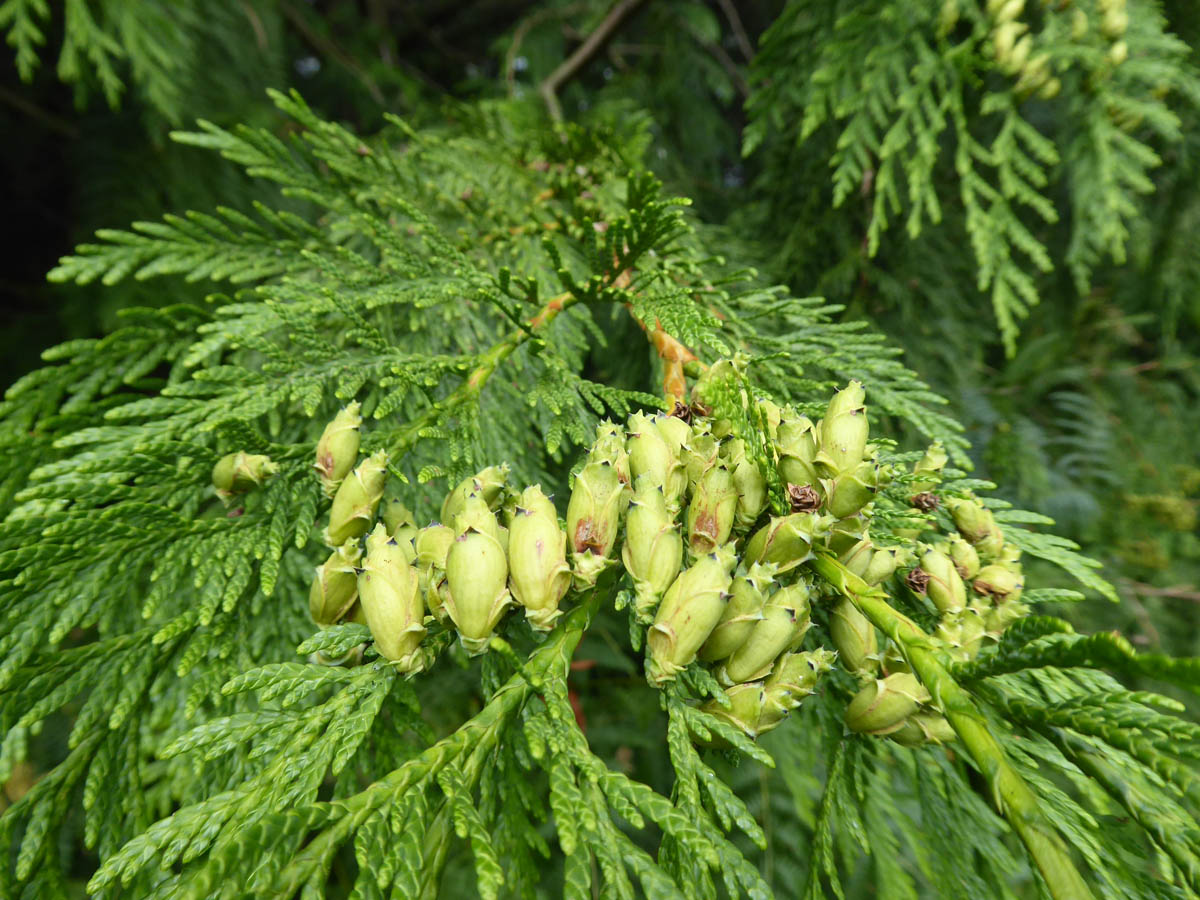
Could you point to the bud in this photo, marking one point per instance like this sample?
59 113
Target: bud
357 499
783 624
610 447
930 467
477 595
882 706
749 482
236 473
432 544
744 609
843 431
795 677
849 492
711 514
593 518
675 431
475 514
746 706
537 559
699 454
335 587
390 595
396 516
489 484
786 541
653 549
652 456
854 638
966 560
997 620
690 610
337 449
796 444
1010 558
945 586
976 523
923 728
1001 584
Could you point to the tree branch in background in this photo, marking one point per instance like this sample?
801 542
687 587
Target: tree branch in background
566 71
739 30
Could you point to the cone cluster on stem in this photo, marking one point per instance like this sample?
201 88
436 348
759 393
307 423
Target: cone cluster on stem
711 525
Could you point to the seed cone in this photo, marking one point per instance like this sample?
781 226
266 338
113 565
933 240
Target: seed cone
966 560
850 491
929 467
337 448
785 619
389 592
236 473
749 482
744 609
653 549
432 545
796 444
537 559
854 638
923 728
712 512
1001 584
477 594
843 432
610 447
593 518
976 523
882 706
652 456
488 483
758 706
945 586
356 501
786 541
335 586
689 612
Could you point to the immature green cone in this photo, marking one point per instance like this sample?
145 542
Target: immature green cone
854 638
966 559
749 482
653 549
609 446
712 512
975 522
537 559
882 706
945 587
849 492
650 455
923 728
674 431
389 591
335 586
489 484
843 431
794 677
997 620
593 519
432 545
699 454
477 593
356 501
236 473
396 516
930 468
690 610
474 513
786 541
337 449
745 710
744 609
796 444
784 622
1001 584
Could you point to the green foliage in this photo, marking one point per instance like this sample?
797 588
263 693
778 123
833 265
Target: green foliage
482 286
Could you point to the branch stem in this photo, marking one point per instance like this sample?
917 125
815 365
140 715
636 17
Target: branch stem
593 42
1011 796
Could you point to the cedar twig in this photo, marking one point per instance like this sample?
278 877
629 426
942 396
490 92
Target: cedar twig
739 30
566 70
527 25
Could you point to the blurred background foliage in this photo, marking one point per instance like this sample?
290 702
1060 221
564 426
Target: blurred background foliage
1026 231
